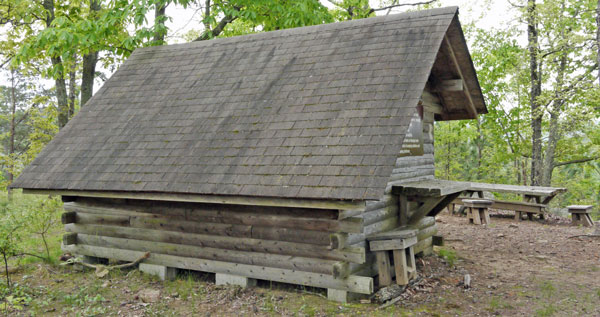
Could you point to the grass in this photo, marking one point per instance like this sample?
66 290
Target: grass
448 255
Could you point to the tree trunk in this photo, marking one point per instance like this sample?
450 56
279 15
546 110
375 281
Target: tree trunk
479 144
59 79
11 146
535 92
554 129
159 24
88 71
72 94
598 37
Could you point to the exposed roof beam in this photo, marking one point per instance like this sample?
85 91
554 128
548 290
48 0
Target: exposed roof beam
471 106
449 85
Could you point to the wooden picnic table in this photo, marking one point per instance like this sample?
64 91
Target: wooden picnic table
535 198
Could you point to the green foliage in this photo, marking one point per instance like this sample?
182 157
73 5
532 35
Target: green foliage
448 255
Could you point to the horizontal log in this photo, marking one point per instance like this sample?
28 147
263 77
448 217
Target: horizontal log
353 224
356 284
241 257
115 220
427 232
69 238
378 215
68 217
408 175
423 223
354 254
385 201
423 245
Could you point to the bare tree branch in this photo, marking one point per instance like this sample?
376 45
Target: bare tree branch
583 160
401 5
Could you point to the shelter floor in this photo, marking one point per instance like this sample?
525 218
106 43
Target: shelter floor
517 269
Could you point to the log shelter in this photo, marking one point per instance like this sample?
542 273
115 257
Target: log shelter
268 156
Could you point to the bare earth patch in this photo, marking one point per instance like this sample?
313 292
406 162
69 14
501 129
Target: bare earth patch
516 268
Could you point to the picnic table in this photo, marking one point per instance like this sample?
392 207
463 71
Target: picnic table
535 198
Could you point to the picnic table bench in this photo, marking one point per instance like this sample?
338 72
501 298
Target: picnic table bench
535 198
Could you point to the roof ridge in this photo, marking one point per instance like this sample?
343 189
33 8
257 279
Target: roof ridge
310 29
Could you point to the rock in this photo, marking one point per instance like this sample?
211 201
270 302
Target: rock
148 295
513 226
500 235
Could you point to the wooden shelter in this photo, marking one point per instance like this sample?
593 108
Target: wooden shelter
266 156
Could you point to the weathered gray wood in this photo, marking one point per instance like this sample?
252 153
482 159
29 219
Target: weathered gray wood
69 238
423 245
357 284
448 85
343 214
412 174
213 199
392 244
397 233
374 216
116 220
384 225
452 56
400 266
233 256
432 187
427 232
214 215
383 268
580 208
538 191
341 270
423 223
424 209
68 217
387 200
351 254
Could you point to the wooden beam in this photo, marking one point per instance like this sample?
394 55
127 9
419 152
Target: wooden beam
424 209
471 106
356 284
349 254
213 199
449 85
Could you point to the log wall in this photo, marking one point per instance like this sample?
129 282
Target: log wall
293 245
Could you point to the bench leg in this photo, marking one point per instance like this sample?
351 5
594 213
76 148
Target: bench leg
587 220
383 266
485 216
517 215
575 219
411 264
476 216
400 266
530 216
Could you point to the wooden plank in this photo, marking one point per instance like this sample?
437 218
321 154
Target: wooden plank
350 254
448 85
450 52
356 284
383 268
392 244
424 209
233 256
517 189
423 223
400 266
427 232
398 233
442 204
116 220
213 199
430 187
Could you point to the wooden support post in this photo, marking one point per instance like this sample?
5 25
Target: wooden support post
400 266
383 266
580 215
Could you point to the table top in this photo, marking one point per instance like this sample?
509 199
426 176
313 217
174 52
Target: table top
517 189
430 187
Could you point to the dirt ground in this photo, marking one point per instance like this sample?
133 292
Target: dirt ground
522 268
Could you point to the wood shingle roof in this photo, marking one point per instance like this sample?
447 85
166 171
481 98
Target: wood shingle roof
313 112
